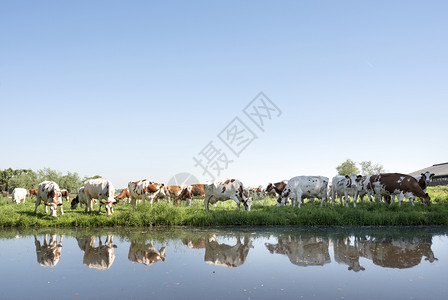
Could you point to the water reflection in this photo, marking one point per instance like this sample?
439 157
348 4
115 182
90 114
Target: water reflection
101 257
384 248
221 254
302 251
49 253
143 253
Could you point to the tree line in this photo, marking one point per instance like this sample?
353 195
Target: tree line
29 179
367 168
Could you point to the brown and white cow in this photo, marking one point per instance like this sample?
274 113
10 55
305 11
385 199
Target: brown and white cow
401 185
186 194
31 193
49 193
225 190
100 188
123 195
197 190
144 189
424 179
65 194
275 189
49 253
143 253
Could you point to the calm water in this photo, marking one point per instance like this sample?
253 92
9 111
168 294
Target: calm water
225 263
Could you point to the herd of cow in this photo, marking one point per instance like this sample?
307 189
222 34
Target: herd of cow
381 186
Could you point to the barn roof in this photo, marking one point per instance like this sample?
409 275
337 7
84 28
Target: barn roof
437 169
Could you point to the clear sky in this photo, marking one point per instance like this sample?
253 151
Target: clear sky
136 89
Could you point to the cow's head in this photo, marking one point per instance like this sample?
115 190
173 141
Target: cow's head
353 181
283 198
56 201
428 176
269 187
244 197
74 203
109 205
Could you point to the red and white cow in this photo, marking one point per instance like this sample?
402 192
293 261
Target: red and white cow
124 194
144 189
65 194
225 190
345 186
100 188
50 193
186 194
301 187
424 179
401 185
257 193
19 195
31 193
275 189
197 190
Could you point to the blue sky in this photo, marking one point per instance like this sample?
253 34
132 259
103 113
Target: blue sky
135 89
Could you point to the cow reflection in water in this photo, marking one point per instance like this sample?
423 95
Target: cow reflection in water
101 257
347 251
400 253
145 253
302 251
49 253
221 254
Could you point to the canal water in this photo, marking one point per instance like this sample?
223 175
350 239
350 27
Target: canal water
225 263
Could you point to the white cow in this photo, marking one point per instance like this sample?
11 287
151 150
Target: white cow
224 190
144 189
100 189
19 195
300 187
50 193
345 186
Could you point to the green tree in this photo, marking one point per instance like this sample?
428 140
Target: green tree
347 167
26 180
368 168
71 181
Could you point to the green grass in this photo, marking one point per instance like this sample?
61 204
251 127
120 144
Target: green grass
263 212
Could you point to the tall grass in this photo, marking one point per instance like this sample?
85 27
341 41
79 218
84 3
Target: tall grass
263 212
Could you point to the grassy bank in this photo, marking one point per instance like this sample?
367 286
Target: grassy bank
264 212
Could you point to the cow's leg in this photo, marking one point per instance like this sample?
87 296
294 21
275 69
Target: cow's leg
399 197
237 201
62 211
332 195
37 204
346 198
298 199
87 203
188 202
206 202
133 202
